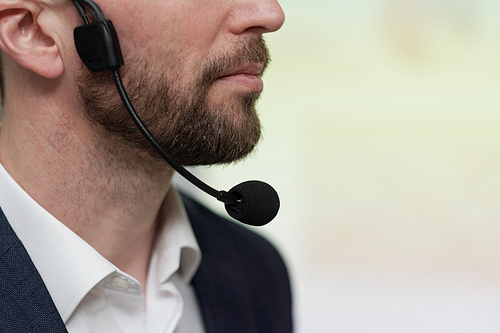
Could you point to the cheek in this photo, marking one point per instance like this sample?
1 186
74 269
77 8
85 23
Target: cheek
173 35
191 38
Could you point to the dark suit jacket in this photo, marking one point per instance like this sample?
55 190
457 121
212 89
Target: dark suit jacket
242 284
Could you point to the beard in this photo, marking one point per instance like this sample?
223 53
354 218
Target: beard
194 124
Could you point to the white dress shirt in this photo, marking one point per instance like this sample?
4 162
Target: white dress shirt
93 295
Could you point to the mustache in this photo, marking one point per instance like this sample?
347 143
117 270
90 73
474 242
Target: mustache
251 51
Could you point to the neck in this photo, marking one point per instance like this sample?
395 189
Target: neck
108 194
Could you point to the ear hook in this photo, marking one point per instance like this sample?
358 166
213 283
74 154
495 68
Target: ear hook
92 6
81 11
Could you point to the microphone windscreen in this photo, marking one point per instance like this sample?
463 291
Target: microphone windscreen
259 203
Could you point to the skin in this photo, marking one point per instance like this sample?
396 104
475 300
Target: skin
106 192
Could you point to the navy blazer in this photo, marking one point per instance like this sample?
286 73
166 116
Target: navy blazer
242 284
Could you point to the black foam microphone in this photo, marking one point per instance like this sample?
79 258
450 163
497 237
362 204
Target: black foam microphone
259 203
252 202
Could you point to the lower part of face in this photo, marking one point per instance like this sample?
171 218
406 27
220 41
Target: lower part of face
195 123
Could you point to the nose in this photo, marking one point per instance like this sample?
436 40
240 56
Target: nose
260 16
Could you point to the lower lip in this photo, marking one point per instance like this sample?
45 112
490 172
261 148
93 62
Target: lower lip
250 82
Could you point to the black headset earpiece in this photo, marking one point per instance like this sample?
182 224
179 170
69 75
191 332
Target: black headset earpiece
98 46
97 42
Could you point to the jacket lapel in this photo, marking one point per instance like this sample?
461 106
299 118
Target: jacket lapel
220 282
25 303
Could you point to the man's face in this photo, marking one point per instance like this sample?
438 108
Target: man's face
192 70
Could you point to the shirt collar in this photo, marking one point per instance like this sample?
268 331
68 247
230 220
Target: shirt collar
176 248
70 267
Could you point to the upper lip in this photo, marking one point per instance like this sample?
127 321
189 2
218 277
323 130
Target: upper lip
249 69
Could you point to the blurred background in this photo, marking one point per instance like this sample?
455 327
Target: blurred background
382 135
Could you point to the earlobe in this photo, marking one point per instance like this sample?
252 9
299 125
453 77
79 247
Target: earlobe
23 39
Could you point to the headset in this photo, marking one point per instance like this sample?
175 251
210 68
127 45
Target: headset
252 202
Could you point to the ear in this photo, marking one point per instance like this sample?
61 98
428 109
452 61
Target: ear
24 40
